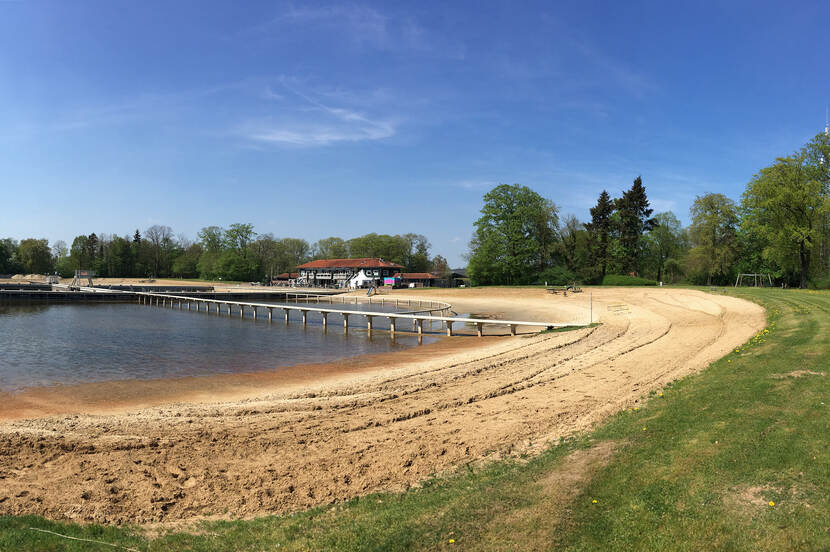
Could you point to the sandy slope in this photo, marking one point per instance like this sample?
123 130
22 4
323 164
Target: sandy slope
291 446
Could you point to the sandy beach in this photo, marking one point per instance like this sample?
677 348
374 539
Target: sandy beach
275 442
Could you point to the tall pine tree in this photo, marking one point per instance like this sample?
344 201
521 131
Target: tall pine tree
635 220
599 230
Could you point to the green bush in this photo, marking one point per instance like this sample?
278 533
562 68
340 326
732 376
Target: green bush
820 283
620 280
556 276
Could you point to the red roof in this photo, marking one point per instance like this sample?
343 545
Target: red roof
416 276
287 276
350 263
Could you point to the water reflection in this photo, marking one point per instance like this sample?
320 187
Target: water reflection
51 344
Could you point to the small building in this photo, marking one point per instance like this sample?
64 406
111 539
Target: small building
285 279
353 273
458 278
416 279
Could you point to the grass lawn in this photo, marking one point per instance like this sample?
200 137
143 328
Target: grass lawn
735 458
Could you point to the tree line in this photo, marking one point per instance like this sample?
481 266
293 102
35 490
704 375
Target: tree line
234 253
781 226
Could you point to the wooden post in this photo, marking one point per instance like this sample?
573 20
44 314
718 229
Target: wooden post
254 312
512 329
420 327
189 303
449 329
369 322
305 318
325 316
270 314
241 311
345 322
479 327
286 311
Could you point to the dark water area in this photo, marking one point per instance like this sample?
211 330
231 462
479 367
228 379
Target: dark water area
76 343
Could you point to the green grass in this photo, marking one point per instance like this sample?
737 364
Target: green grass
569 328
694 469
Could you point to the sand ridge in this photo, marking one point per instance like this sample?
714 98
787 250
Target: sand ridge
384 428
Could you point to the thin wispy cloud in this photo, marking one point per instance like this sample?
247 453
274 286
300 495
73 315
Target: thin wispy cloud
363 24
314 123
359 26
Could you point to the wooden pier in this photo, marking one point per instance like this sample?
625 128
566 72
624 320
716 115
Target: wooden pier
417 318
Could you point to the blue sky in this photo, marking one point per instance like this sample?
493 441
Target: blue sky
312 119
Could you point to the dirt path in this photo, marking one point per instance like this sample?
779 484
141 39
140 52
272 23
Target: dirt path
288 449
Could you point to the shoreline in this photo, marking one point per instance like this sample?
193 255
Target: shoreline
120 396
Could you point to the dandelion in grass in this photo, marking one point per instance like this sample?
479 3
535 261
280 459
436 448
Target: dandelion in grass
594 501
771 503
644 428
452 541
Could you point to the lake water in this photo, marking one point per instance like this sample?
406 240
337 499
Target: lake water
75 343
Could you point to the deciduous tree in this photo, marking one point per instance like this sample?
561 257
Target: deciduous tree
786 203
714 235
510 236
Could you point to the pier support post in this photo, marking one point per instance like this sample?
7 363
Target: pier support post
229 308
189 303
270 314
286 315
218 308
325 316
449 329
369 323
420 327
345 322
512 329
181 305
241 311
392 325
479 327
254 312
305 318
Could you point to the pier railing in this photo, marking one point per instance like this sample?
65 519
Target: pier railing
414 305
417 319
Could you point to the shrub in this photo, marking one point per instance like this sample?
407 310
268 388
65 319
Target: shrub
556 276
620 280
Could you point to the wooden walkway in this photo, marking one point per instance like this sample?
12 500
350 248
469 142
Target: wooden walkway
417 318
